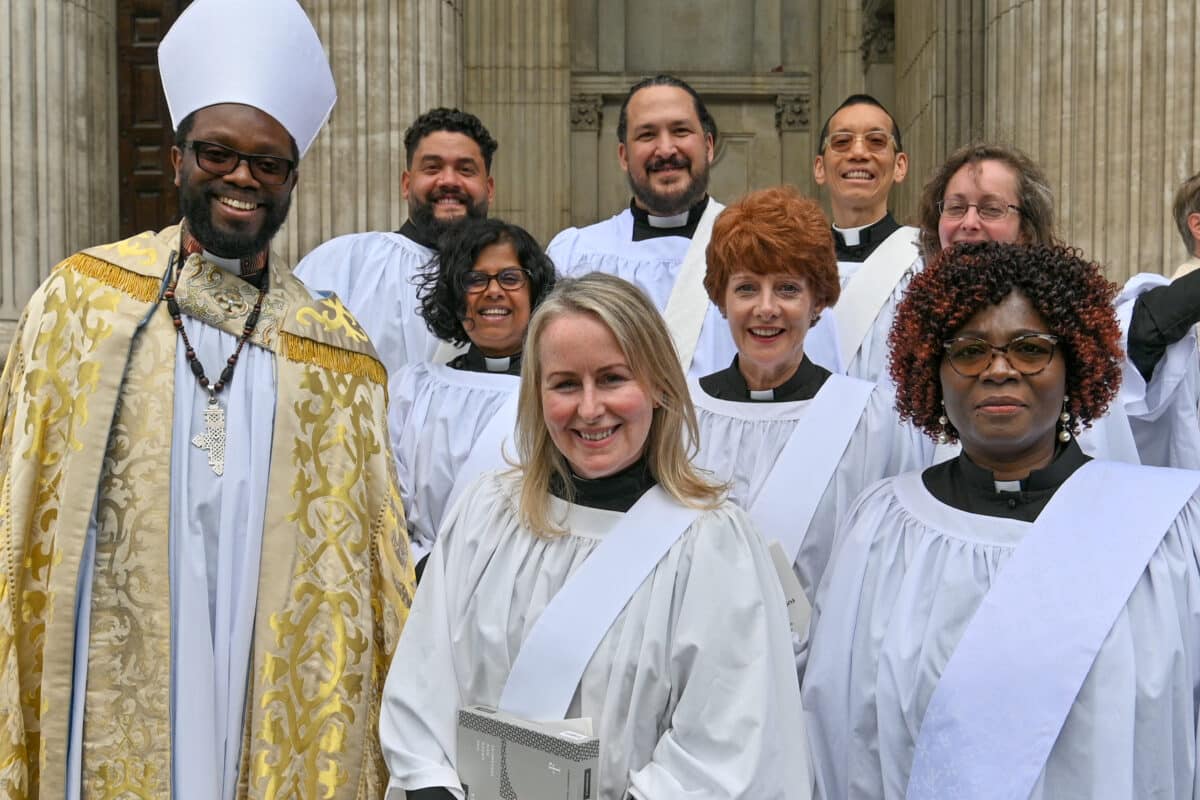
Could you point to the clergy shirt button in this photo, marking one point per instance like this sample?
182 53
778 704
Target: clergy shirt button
1012 502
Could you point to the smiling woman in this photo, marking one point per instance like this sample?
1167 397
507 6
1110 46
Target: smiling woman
1021 569
488 275
603 436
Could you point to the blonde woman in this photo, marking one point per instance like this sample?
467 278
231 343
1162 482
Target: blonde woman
692 689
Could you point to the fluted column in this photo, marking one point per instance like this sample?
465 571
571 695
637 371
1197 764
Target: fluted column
518 82
58 171
392 60
1107 99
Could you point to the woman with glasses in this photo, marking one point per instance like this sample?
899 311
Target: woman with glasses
987 192
480 291
688 680
795 443
1019 621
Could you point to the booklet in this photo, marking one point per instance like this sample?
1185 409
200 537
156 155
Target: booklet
502 757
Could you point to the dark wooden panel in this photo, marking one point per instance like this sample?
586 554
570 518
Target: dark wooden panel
148 198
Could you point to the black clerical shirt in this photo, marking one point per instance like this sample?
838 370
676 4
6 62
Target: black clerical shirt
617 492
961 483
729 384
410 230
869 238
475 361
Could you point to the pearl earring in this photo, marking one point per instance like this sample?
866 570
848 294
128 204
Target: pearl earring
1064 424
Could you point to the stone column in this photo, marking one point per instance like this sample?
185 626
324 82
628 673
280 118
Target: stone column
939 87
518 81
391 61
58 140
1107 99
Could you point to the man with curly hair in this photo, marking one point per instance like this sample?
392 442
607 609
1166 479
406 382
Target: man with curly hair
447 179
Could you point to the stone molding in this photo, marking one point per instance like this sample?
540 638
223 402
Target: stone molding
879 38
616 85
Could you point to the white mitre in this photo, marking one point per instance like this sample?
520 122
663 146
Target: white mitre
263 54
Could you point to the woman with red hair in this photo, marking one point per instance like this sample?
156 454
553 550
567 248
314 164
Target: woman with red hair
1019 621
795 444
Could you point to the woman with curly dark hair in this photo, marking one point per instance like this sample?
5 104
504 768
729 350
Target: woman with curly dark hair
795 443
992 192
448 420
1019 621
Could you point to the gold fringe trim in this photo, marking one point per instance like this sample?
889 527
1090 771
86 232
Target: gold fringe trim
139 287
306 351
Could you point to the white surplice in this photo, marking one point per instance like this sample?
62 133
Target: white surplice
216 525
903 585
436 415
652 265
740 443
374 274
692 692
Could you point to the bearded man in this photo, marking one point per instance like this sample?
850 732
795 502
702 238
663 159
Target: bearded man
447 179
207 567
665 147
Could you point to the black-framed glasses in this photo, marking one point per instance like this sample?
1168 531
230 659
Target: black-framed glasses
219 160
989 210
1028 354
876 140
509 279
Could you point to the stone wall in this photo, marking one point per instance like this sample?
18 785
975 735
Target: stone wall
58 142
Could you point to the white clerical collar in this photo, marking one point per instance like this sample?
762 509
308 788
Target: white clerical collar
677 221
497 364
1008 486
852 236
762 394
233 265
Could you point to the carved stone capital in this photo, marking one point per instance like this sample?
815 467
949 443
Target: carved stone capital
879 38
586 112
791 112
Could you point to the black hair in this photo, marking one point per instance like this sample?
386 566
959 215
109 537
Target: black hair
443 302
184 129
707 123
454 121
860 100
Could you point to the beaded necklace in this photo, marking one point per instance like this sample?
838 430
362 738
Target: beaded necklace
213 438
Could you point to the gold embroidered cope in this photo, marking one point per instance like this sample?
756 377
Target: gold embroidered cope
87 419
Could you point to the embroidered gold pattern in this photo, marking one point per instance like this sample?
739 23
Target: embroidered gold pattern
127 739
337 320
351 584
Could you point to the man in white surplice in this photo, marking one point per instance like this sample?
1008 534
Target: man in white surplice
666 138
861 158
447 179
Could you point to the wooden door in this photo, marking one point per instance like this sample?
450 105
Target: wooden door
147 195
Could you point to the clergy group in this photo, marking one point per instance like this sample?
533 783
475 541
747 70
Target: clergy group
760 504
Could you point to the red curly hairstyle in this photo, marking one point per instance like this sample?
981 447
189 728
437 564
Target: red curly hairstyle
771 231
1069 292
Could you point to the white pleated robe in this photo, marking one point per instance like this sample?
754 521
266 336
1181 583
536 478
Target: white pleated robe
692 692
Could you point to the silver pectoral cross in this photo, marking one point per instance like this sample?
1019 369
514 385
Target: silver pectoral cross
213 438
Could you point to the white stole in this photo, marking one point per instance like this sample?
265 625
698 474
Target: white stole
553 657
873 283
788 498
1011 681
688 303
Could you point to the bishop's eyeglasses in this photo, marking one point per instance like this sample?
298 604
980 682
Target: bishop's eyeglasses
217 159
1028 354
876 141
